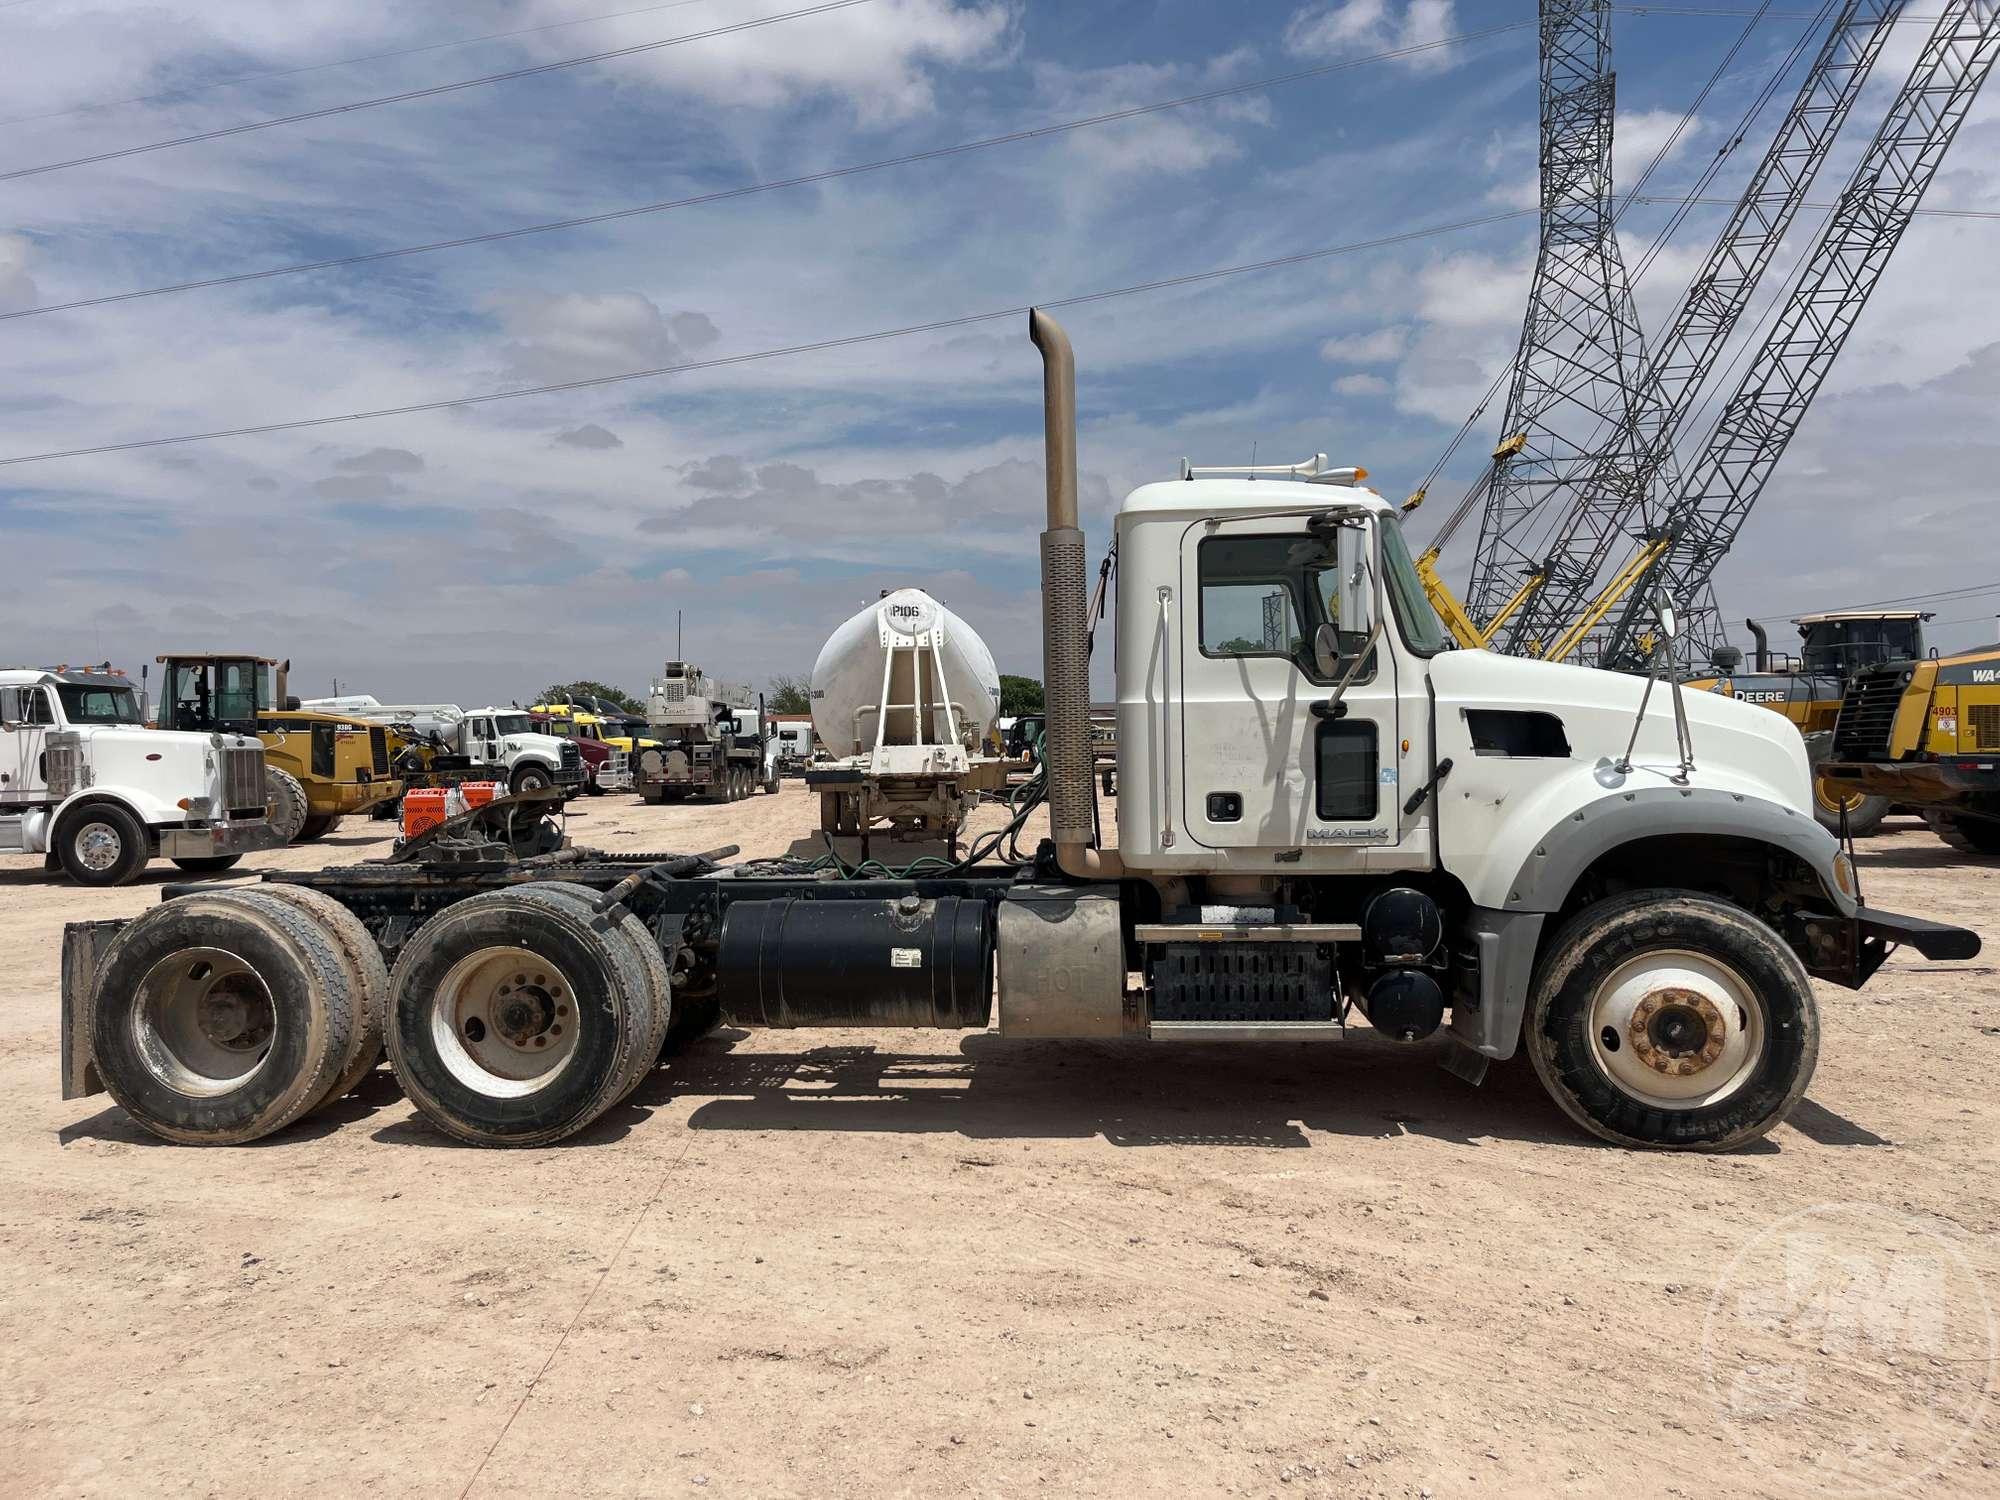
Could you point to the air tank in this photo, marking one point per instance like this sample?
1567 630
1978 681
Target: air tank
913 635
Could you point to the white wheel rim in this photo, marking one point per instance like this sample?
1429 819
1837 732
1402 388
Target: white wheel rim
98 847
1675 1029
504 1022
203 1021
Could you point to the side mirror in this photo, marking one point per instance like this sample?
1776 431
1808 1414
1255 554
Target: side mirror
1326 651
1670 625
1354 602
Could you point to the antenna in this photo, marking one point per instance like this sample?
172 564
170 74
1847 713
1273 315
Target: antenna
679 655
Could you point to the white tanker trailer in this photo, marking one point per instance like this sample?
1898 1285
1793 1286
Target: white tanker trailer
905 696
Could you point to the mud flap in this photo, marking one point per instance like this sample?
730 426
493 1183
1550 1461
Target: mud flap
83 944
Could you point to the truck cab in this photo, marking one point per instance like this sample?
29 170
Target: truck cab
84 781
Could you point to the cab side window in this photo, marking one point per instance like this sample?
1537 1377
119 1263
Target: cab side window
1266 596
35 707
10 705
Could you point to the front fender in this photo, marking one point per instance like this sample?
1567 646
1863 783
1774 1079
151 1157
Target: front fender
1542 881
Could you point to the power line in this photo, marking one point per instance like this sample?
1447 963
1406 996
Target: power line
338 62
804 179
433 90
813 347
1970 590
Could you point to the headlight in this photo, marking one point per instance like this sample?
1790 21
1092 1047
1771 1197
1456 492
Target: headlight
1843 873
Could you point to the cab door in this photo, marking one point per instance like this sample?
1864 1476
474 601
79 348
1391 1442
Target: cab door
1259 769
26 716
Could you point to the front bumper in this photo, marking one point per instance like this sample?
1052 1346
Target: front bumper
1848 950
202 841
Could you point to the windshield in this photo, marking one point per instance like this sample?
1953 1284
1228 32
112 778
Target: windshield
1423 631
99 705
512 724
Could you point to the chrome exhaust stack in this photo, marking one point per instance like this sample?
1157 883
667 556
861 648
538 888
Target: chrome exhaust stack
1065 621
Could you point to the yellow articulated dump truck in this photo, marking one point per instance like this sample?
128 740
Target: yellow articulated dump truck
1927 734
320 766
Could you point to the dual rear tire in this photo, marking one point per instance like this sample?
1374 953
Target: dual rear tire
518 1017
222 1016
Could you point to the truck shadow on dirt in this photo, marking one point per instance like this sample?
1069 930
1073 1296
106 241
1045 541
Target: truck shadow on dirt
375 1092
1129 1094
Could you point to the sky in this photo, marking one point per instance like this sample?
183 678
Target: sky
477 552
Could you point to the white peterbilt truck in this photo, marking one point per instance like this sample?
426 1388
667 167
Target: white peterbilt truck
1326 814
85 782
503 741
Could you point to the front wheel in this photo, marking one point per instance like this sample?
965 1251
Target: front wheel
1670 1019
101 844
532 779
1865 812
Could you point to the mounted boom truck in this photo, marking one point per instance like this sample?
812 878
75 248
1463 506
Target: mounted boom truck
1326 813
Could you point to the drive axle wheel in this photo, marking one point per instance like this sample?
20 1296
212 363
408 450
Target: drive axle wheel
366 973
514 1022
1671 1019
218 1018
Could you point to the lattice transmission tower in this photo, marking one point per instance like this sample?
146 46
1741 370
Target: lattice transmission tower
1576 386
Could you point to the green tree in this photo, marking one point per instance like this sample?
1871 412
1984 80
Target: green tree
569 692
1019 695
789 695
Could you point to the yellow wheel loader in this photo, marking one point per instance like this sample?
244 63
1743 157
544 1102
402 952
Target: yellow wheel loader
1927 734
1833 648
320 766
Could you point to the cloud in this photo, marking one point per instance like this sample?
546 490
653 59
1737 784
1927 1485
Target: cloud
1176 141
1378 346
383 461
1361 385
878 59
577 335
589 435
1355 26
17 287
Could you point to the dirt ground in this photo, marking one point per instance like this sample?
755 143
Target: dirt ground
914 1263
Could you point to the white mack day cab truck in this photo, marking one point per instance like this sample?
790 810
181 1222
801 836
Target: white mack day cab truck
503 741
84 781
1326 813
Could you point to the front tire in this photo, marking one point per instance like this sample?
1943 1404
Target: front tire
1672 1020
101 844
285 806
531 779
1864 812
317 826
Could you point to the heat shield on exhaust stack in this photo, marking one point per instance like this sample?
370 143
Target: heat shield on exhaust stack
1065 630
